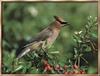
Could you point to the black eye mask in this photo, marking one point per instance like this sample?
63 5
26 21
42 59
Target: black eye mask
59 20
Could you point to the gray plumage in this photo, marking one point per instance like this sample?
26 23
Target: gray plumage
49 34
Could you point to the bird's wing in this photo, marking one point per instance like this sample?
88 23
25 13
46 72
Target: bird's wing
30 47
23 52
43 35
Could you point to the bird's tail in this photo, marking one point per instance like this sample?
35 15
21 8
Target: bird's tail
24 51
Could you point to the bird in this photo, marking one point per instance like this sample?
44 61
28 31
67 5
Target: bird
45 38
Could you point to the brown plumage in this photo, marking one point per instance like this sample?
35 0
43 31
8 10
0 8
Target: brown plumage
45 38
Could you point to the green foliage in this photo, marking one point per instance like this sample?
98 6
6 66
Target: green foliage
85 42
21 21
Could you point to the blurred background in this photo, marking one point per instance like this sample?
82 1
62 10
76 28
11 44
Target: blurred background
22 21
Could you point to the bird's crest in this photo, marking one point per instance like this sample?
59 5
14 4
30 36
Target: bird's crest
59 19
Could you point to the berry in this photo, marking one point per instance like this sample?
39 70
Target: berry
65 72
65 67
57 67
76 71
82 72
75 66
48 67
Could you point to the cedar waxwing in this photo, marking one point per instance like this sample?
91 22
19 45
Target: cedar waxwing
45 38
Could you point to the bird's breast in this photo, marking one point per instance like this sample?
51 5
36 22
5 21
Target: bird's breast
53 37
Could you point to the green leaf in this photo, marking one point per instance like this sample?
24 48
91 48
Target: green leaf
88 49
18 68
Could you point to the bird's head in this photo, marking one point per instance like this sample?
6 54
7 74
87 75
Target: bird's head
61 21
